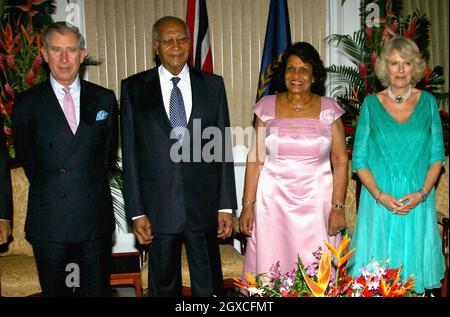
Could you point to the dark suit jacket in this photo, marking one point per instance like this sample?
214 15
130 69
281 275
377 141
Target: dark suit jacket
69 199
174 194
5 178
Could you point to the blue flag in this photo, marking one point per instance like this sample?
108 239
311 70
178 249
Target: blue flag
278 37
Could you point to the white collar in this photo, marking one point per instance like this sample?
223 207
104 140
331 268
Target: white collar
74 87
164 74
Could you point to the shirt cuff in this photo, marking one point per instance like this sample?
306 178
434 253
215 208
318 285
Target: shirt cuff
137 217
228 211
5 220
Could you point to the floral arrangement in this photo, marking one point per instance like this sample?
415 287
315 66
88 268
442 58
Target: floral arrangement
319 279
21 63
351 84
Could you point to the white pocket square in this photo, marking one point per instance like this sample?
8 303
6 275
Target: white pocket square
101 115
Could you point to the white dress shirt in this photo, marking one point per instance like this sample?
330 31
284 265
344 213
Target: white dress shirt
75 89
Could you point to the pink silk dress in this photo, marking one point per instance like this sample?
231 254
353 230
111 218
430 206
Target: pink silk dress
294 189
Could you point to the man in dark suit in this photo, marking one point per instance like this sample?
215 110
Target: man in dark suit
5 190
165 112
66 139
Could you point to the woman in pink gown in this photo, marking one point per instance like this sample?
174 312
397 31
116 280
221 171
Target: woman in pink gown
296 172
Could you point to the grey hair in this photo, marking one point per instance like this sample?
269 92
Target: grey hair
63 28
168 18
408 50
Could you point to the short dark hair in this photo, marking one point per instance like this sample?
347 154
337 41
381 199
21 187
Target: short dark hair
308 54
62 28
167 18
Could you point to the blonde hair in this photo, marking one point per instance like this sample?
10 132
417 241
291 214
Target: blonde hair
408 50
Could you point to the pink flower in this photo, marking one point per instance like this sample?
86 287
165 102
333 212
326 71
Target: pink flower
369 32
327 116
29 78
37 63
373 60
11 61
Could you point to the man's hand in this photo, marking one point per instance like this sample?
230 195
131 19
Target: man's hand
225 225
5 231
143 230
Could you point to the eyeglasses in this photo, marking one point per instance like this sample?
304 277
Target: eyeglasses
181 40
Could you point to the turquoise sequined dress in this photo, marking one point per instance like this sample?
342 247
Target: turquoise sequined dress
399 156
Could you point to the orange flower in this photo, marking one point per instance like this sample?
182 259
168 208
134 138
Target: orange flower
323 276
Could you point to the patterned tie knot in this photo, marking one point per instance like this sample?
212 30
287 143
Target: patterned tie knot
175 80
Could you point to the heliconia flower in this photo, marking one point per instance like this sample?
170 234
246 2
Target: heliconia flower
28 8
389 290
38 41
323 276
362 70
29 78
2 66
8 106
26 34
427 75
10 43
338 253
389 32
9 90
355 93
411 29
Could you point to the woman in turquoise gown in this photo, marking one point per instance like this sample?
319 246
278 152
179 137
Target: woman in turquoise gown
398 156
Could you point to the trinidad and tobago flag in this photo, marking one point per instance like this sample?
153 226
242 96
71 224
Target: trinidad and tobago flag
197 19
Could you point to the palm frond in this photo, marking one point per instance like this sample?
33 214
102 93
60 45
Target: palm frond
116 184
90 61
353 48
344 75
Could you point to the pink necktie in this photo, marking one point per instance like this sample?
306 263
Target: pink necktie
69 110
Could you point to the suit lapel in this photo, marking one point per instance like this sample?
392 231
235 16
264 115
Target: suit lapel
152 99
197 96
54 115
88 107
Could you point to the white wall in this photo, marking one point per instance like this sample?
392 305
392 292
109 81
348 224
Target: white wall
341 19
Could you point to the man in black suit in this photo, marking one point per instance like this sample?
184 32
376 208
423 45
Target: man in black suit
66 139
171 201
5 190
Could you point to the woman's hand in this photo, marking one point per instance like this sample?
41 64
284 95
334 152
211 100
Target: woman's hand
409 201
392 203
336 221
246 220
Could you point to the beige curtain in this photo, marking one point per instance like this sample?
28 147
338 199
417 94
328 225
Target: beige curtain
119 33
437 12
